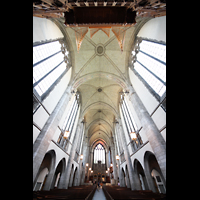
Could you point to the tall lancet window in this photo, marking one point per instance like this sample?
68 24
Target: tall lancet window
130 124
68 125
149 61
49 63
99 154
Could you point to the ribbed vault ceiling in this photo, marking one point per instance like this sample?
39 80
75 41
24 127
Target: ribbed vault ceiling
100 72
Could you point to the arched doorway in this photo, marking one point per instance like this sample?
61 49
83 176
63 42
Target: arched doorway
58 172
158 181
138 170
154 175
45 173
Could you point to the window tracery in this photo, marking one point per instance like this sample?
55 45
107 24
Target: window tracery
148 59
99 154
48 64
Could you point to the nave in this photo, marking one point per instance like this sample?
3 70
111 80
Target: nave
99 100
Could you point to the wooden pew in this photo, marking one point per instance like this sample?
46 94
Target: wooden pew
73 193
122 193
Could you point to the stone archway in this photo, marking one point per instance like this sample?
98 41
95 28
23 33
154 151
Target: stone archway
58 173
48 162
151 165
139 171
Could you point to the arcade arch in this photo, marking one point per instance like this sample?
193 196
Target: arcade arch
153 173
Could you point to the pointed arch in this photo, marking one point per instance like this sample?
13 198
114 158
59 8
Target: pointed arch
99 140
49 163
140 174
99 154
94 75
60 169
151 163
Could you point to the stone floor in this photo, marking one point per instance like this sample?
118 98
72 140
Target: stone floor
99 195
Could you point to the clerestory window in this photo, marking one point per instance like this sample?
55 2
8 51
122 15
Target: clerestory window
130 123
149 61
49 64
69 123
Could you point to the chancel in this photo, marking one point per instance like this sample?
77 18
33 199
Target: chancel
99 99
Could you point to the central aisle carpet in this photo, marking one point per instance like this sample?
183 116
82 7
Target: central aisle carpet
99 195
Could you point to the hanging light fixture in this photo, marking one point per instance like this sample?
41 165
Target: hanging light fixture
89 168
81 156
111 164
133 136
117 157
66 135
86 164
106 171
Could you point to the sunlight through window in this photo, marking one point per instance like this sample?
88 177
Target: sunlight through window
151 65
48 65
99 154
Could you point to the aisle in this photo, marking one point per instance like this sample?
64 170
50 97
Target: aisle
99 195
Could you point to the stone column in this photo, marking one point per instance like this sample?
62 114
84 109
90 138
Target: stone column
80 169
64 180
134 182
79 150
118 171
107 164
85 158
154 136
116 153
43 140
121 179
114 163
49 180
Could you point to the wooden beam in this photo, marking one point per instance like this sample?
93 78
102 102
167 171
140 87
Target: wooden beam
123 3
152 1
65 2
77 3
48 2
100 25
96 26
114 3
37 6
45 12
86 3
47 15
46 5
